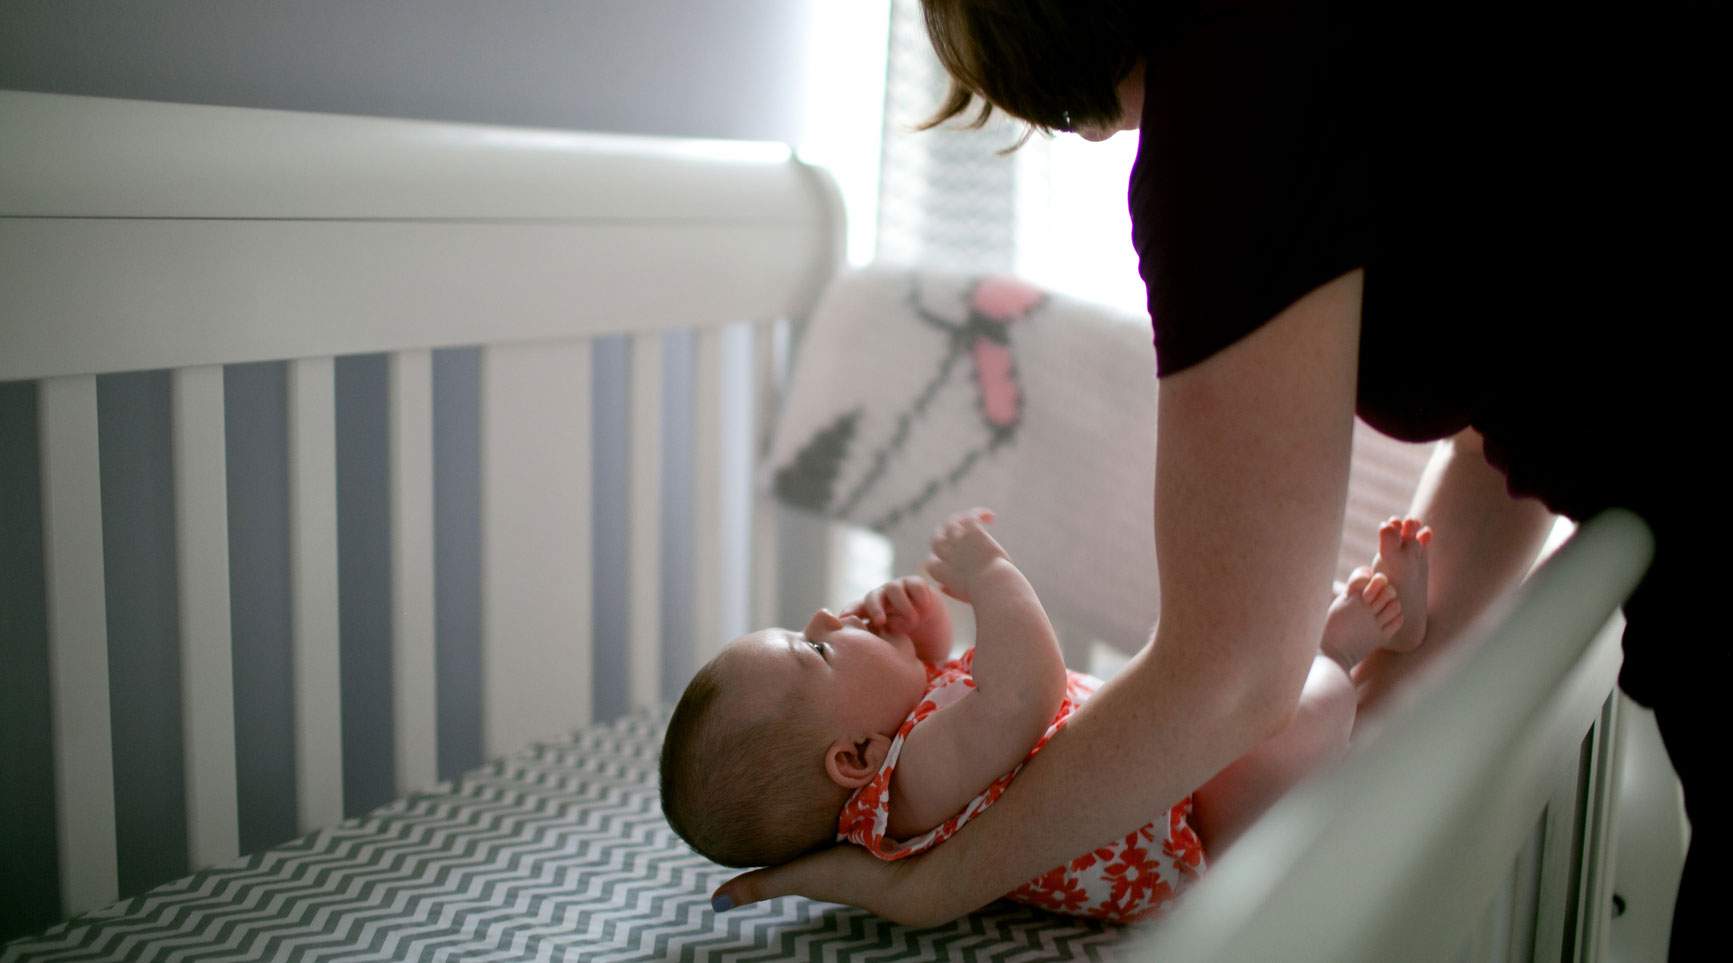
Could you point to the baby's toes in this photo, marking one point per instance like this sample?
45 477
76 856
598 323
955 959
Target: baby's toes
1390 538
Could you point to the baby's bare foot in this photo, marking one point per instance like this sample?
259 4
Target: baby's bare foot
1362 618
1402 558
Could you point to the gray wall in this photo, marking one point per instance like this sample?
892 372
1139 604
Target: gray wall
701 68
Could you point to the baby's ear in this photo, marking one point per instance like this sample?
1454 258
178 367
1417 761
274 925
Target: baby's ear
852 762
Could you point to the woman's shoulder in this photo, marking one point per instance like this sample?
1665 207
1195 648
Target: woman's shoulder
1249 188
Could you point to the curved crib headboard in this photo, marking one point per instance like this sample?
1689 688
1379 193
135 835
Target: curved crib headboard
182 239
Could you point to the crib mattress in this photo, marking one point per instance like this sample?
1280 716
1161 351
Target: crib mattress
558 853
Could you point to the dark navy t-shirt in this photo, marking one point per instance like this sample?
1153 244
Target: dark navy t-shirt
1518 190
1284 144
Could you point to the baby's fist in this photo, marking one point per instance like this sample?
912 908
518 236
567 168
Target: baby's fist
899 605
962 550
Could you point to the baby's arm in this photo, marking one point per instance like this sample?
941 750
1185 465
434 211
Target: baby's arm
1019 679
908 606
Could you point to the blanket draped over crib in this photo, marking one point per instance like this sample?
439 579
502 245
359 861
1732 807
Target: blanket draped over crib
914 396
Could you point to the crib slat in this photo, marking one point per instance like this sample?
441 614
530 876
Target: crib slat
77 644
536 535
767 340
1554 896
707 491
313 592
644 550
414 695
739 454
1595 896
1523 891
207 659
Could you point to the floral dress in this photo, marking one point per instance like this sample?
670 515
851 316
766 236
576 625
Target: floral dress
1128 880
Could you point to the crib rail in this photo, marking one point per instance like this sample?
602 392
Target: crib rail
1399 854
184 241
340 235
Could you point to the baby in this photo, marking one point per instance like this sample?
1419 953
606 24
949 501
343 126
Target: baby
858 729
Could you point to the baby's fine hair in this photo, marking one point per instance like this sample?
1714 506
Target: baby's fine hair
756 795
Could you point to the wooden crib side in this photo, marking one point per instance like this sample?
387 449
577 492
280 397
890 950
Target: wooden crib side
191 239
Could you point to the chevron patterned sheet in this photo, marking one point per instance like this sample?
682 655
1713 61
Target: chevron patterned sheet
558 853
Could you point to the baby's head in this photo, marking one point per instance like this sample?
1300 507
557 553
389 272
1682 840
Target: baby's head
774 733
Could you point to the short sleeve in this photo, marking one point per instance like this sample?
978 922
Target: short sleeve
1251 183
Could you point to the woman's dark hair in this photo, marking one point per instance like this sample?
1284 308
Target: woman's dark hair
1055 64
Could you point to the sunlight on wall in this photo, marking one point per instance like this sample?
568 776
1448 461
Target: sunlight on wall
845 108
1073 228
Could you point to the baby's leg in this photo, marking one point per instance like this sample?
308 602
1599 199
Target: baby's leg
1317 736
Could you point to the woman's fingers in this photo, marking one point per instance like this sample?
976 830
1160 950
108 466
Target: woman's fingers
840 874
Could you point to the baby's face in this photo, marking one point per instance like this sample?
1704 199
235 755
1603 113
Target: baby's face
863 683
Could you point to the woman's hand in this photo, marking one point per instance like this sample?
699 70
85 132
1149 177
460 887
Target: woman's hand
898 890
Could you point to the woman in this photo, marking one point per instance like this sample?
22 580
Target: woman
1336 212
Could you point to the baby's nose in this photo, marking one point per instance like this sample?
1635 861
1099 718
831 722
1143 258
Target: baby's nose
823 622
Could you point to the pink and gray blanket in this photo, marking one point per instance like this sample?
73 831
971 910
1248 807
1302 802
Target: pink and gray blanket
916 395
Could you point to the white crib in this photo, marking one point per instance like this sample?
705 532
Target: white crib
138 236
156 236
1479 826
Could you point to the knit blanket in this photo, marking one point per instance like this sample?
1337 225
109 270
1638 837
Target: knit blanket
916 395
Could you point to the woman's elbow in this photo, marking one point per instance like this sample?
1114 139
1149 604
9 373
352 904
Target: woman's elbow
1260 702
1268 714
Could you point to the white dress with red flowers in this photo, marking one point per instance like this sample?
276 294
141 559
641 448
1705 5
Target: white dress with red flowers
1128 880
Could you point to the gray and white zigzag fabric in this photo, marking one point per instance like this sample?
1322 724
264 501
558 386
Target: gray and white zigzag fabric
559 853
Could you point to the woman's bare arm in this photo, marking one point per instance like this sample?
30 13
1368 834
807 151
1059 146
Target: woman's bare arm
1251 477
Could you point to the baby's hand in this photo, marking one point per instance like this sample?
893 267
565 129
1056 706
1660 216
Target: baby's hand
962 550
898 606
